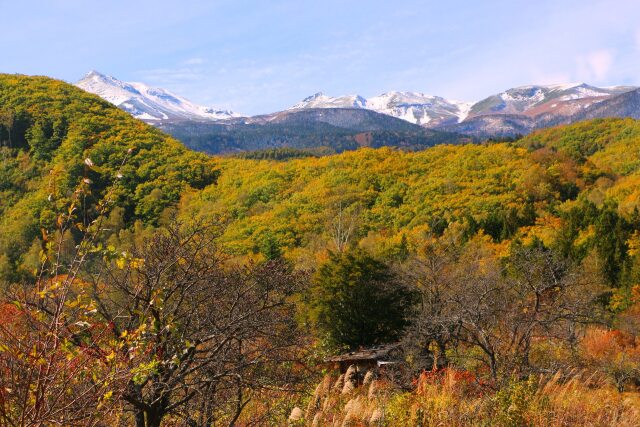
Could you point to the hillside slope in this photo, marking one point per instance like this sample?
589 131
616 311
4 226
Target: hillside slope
521 190
56 138
338 129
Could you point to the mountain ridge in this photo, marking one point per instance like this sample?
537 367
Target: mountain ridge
515 111
413 107
148 103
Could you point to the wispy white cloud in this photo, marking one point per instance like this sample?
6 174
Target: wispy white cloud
194 61
170 75
545 77
596 65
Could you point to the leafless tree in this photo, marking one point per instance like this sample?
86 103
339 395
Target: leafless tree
476 301
432 275
549 298
342 227
54 364
210 336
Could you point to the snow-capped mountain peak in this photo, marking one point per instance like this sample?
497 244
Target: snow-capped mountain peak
419 108
414 107
320 100
515 110
532 100
148 103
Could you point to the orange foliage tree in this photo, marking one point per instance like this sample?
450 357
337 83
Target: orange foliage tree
615 353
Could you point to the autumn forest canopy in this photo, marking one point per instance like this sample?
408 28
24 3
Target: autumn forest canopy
144 283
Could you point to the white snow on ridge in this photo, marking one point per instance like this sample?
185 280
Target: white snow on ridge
148 103
108 88
464 108
563 86
533 99
320 100
155 105
419 108
413 107
523 95
146 116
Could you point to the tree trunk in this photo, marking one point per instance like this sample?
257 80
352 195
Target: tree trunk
442 354
140 419
150 418
494 367
154 417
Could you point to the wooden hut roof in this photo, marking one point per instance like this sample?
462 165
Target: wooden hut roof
376 353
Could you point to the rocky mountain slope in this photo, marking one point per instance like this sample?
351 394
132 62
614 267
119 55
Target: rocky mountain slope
148 103
414 107
524 109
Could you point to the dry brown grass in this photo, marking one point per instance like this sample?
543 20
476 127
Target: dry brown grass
457 398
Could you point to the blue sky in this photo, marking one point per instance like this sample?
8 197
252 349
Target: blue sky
258 56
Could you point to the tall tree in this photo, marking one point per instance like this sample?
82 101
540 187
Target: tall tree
357 300
6 121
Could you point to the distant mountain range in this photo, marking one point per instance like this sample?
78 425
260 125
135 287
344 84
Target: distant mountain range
343 126
514 111
527 108
408 119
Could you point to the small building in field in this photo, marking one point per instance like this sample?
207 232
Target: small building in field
367 359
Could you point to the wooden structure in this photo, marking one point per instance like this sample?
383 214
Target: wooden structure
367 359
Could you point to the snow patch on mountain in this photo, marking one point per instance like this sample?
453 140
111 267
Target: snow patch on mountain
419 108
563 99
413 107
320 100
523 105
148 103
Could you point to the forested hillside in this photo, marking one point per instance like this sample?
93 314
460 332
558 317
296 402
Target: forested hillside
335 130
55 137
573 186
148 284
386 192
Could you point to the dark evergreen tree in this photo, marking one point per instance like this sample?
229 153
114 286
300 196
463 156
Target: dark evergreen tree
270 247
358 302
